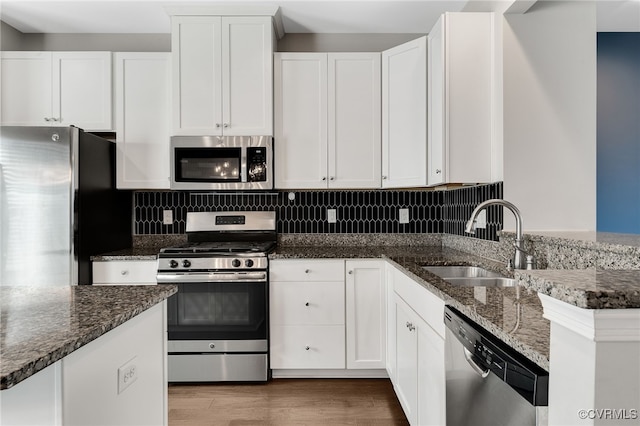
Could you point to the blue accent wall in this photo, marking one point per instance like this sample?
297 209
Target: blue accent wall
618 133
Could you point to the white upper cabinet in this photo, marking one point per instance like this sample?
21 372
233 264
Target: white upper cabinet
57 88
222 75
461 107
327 120
300 92
404 115
143 119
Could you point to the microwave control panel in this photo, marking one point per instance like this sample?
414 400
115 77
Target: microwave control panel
256 164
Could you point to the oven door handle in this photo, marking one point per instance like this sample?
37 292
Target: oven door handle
211 277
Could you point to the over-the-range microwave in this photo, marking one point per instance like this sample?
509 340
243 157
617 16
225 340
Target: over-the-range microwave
221 163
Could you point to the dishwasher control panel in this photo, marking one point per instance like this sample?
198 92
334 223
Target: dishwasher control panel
491 354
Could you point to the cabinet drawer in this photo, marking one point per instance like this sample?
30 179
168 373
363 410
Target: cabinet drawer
125 272
315 303
307 347
427 305
306 270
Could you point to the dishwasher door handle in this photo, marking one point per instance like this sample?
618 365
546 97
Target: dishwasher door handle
469 357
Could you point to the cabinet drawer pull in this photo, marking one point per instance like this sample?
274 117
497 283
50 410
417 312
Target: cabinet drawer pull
124 272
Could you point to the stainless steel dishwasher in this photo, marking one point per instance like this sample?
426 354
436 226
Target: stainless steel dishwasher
487 382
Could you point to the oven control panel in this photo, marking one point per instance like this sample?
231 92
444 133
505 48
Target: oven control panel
208 264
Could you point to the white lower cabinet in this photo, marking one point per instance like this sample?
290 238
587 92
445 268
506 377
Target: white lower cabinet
122 272
419 374
366 314
323 317
307 314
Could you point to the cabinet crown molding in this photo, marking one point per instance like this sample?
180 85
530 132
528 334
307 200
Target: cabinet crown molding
231 10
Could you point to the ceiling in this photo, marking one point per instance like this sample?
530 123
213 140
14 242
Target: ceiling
301 16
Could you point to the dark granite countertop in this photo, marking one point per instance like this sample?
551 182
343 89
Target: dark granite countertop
134 253
41 325
513 314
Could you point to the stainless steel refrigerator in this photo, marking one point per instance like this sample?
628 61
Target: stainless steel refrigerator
58 205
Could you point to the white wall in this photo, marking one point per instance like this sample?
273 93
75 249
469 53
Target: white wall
550 115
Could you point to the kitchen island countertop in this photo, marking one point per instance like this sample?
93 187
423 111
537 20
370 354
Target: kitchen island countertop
41 325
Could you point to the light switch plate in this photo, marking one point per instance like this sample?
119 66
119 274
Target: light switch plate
167 217
481 219
331 215
403 215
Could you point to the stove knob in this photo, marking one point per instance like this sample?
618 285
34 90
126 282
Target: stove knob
248 263
235 263
186 263
173 264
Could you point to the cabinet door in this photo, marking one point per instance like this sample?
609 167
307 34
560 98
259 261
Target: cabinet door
301 120
391 322
366 314
461 92
82 89
306 303
307 347
26 88
404 115
143 111
431 377
196 46
436 121
247 76
406 384
354 102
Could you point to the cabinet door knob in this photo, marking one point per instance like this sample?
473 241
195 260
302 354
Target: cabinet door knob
324 178
306 304
306 348
217 125
47 119
306 271
384 178
225 125
350 272
438 171
332 178
125 272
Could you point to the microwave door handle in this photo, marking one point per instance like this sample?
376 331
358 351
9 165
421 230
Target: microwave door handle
243 165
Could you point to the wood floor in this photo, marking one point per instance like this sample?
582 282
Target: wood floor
287 402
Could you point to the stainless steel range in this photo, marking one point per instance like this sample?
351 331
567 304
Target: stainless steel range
218 319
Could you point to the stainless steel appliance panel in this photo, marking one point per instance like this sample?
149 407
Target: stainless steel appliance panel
59 205
218 368
35 213
476 392
221 163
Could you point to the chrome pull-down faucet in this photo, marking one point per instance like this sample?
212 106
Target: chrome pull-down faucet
519 261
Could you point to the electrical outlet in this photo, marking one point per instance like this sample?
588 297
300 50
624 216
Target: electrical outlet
403 215
167 217
127 374
331 215
481 219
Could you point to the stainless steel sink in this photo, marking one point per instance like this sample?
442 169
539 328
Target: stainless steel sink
445 272
482 282
470 276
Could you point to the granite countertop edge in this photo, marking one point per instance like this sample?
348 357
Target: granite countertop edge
31 367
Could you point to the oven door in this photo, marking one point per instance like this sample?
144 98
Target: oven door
222 316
